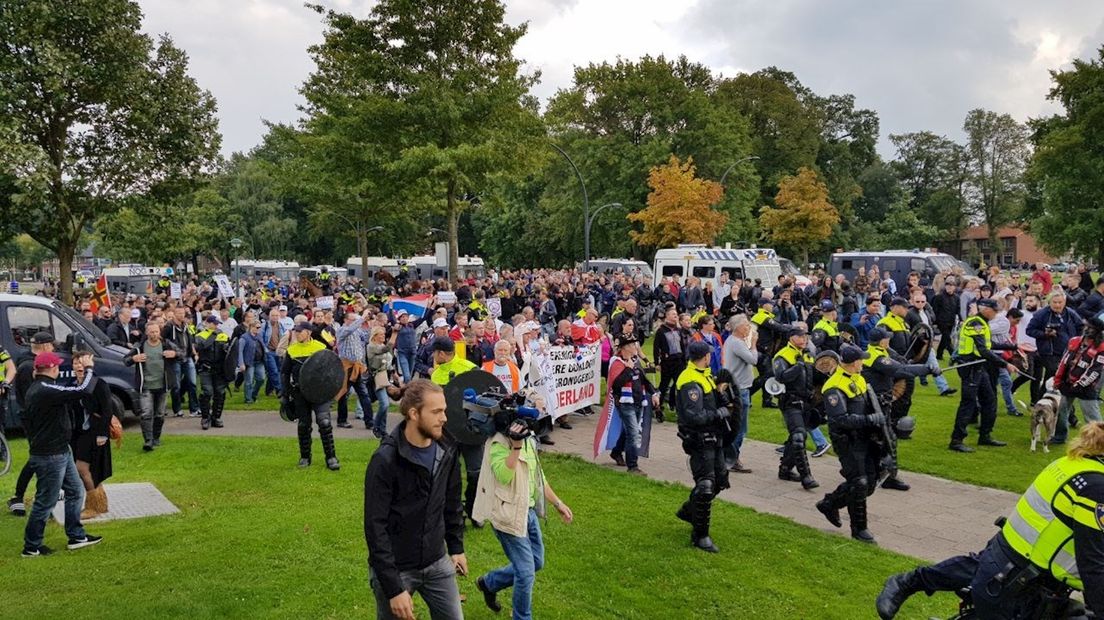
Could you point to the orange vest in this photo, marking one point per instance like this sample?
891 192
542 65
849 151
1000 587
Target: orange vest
515 375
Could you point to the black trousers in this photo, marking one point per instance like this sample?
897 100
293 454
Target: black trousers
1035 369
979 394
473 462
669 371
212 394
946 343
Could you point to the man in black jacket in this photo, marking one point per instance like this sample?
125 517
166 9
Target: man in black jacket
24 376
945 305
413 513
1094 303
47 422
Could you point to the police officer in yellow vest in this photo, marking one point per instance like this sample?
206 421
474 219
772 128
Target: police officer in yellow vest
978 381
446 365
1052 541
212 346
826 333
769 330
793 367
856 433
325 281
302 346
701 428
881 371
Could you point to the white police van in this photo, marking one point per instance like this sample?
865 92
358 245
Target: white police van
22 316
708 263
626 266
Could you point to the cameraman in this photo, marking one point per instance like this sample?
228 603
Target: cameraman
512 500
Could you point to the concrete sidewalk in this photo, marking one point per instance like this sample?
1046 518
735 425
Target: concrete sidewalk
936 519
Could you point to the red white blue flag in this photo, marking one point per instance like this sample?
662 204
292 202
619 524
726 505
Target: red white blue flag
415 305
608 431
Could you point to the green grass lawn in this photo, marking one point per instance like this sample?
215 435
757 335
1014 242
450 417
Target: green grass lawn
258 538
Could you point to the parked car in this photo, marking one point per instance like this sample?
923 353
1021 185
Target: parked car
22 316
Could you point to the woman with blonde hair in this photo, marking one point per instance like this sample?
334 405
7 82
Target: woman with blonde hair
379 366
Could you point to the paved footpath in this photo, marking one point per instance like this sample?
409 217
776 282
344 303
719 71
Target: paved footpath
936 519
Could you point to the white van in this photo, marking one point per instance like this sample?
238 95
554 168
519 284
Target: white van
137 279
626 266
286 271
425 267
708 263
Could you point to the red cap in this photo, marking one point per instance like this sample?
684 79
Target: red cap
47 359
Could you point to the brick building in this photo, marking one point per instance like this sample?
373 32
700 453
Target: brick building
1015 245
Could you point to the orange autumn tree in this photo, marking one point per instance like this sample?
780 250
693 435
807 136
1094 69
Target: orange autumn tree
802 216
679 207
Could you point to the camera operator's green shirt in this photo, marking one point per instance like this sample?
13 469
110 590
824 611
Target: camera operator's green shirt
505 475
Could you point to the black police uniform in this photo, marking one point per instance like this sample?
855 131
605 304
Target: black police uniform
297 354
858 439
769 331
701 428
979 395
212 346
881 371
794 369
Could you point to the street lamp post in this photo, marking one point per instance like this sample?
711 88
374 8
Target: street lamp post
586 231
362 241
586 209
743 159
237 243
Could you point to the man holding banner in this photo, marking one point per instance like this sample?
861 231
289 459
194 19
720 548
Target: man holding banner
628 395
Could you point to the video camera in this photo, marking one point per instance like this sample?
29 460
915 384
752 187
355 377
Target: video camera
495 412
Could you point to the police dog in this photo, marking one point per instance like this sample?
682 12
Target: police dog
1044 416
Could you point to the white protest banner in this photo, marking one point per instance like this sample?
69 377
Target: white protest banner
446 298
571 378
225 290
494 306
174 290
325 303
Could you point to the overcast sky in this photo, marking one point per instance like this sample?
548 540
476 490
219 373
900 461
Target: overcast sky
920 64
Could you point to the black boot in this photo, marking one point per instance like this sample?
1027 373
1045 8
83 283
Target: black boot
158 424
896 591
828 508
147 433
304 446
703 507
895 484
686 512
325 432
804 472
857 511
216 409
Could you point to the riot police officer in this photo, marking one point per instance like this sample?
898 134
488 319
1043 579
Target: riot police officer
212 346
325 281
303 346
1053 539
975 343
701 428
826 333
857 435
770 331
882 370
793 367
900 343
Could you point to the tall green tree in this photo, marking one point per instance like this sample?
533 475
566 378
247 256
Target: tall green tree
934 170
998 151
430 95
98 113
1069 163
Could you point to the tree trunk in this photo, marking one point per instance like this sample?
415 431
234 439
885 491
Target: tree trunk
362 249
453 232
65 252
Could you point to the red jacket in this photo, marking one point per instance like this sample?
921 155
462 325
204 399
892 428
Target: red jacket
1081 369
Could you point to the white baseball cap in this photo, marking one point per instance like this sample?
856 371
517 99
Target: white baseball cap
439 323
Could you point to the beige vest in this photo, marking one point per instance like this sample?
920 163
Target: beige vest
506 507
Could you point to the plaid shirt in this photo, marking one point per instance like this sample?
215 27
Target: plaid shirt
351 339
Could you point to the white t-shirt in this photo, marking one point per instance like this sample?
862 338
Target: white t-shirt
502 373
1022 338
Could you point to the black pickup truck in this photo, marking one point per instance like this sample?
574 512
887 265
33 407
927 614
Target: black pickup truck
21 316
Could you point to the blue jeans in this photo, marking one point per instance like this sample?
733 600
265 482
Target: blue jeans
272 369
185 384
745 398
818 437
405 360
526 557
254 379
382 403
1004 380
55 473
1090 409
940 381
630 425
